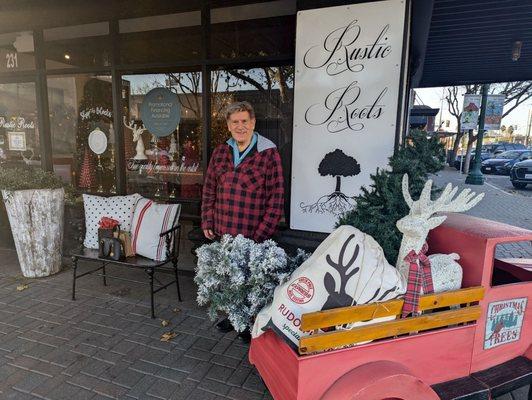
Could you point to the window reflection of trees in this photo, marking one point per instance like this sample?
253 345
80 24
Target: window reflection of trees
269 89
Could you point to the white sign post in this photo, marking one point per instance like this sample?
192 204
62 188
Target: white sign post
494 111
348 72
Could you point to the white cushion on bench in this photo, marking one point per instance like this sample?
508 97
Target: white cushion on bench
149 221
120 208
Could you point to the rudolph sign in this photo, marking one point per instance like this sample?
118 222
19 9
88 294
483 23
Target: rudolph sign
348 72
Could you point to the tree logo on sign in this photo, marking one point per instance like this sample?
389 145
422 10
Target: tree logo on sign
336 164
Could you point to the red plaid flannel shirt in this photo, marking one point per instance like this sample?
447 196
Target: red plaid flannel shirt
248 199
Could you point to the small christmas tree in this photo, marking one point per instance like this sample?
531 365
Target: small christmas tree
87 173
379 207
237 277
97 94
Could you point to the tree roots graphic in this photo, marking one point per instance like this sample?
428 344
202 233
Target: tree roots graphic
335 203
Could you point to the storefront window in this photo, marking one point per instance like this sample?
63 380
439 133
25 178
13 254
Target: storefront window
161 38
78 46
81 115
168 167
254 30
270 91
19 134
16 52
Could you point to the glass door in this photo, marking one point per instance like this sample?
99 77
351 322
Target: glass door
19 136
19 131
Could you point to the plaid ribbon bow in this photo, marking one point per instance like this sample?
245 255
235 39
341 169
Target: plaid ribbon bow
419 276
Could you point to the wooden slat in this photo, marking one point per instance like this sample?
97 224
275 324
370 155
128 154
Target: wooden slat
328 340
364 312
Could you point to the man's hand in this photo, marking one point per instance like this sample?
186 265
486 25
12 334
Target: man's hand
209 234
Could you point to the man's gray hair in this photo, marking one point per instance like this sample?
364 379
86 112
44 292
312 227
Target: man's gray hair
239 106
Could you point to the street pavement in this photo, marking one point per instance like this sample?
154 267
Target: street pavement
503 182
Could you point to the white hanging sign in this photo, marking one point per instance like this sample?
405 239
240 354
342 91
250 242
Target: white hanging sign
470 111
348 67
97 141
494 111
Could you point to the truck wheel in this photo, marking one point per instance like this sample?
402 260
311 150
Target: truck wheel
380 380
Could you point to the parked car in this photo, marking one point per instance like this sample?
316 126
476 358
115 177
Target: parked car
501 147
483 156
521 174
502 163
489 151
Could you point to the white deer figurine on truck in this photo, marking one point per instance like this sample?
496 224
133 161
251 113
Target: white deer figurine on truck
446 272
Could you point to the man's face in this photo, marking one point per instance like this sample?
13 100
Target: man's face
241 126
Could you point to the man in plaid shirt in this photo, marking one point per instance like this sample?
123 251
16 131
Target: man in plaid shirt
243 189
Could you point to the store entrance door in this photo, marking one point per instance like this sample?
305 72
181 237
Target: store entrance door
19 136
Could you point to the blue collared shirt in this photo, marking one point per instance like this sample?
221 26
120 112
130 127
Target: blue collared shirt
239 156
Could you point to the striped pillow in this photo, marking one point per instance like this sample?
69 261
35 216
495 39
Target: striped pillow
149 221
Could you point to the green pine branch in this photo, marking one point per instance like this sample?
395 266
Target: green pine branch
380 206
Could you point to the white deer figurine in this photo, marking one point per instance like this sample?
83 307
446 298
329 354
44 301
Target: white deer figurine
446 272
137 137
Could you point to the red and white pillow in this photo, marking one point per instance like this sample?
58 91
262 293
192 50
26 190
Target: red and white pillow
149 221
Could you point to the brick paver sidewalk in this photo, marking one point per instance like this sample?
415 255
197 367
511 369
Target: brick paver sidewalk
497 205
104 345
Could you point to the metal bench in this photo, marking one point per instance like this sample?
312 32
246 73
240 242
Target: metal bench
172 238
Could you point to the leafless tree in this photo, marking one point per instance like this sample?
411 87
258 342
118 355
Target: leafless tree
453 105
187 85
516 93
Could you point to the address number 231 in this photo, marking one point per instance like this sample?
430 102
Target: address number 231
11 60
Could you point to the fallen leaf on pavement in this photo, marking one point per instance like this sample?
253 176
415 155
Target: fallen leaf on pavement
165 322
176 310
167 336
22 287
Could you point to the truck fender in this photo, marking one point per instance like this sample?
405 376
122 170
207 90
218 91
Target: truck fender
377 381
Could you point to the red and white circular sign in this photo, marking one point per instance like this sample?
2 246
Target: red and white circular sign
301 290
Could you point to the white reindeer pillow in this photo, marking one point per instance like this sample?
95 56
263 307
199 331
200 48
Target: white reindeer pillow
348 268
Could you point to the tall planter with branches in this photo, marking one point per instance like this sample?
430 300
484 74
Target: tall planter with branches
34 201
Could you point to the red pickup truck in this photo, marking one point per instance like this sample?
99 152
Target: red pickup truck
478 350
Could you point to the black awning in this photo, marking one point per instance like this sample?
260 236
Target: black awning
470 42
426 111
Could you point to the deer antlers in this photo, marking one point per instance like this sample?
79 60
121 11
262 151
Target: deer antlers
341 267
137 131
445 203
